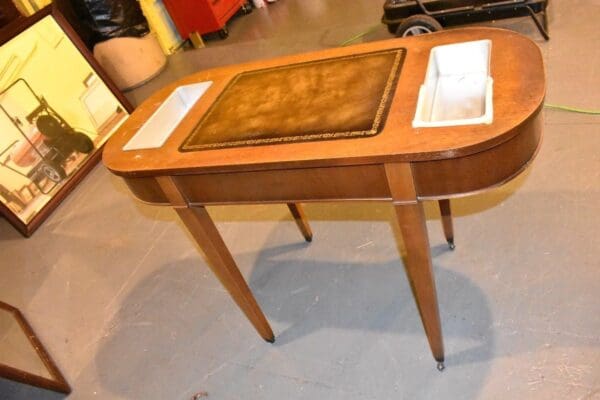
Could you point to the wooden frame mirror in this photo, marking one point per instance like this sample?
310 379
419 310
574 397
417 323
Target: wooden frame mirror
57 109
23 358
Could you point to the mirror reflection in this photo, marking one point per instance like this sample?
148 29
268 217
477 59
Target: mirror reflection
55 112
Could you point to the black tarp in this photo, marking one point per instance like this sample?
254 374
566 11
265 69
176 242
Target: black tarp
107 19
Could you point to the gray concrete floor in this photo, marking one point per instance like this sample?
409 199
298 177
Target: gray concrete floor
128 308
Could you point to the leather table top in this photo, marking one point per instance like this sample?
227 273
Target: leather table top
340 97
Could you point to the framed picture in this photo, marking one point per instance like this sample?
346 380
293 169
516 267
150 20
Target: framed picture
57 109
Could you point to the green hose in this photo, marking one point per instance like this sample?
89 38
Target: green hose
356 37
571 109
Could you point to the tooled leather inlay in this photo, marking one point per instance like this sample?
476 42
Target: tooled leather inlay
342 97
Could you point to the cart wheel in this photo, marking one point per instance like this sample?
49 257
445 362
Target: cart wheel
224 33
53 171
393 28
82 143
418 25
246 8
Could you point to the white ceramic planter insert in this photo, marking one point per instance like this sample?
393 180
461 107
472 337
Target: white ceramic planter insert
458 86
155 132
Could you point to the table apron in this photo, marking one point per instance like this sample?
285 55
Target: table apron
462 176
360 182
436 179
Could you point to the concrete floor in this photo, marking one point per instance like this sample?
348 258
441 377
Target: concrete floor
129 310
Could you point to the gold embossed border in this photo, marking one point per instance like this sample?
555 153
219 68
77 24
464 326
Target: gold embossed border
378 121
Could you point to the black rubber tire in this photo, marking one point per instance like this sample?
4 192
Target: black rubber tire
224 33
53 171
246 8
82 143
393 28
422 22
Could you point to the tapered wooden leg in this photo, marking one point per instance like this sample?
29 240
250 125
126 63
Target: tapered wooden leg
201 226
411 219
446 213
301 220
223 266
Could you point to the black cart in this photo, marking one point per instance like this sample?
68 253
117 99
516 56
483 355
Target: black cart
416 17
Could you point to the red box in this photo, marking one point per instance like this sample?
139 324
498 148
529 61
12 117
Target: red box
202 16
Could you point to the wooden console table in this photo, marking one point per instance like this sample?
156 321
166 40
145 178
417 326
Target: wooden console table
350 139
